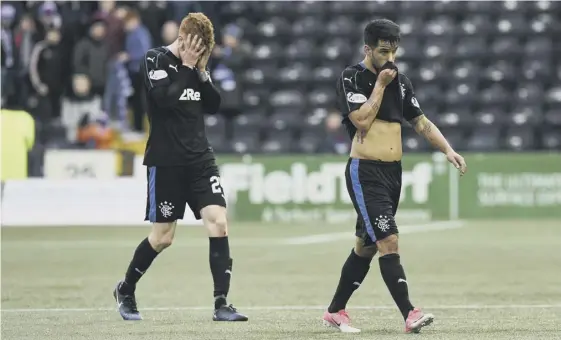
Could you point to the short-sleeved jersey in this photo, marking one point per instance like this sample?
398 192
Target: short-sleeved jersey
355 86
177 101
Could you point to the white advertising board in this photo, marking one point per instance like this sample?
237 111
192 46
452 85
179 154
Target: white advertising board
77 202
60 164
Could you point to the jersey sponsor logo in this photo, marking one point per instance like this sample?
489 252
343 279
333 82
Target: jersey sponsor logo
356 98
173 67
150 59
402 87
157 74
415 102
190 94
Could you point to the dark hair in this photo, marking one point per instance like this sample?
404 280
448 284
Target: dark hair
381 29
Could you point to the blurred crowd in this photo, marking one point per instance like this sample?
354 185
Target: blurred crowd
487 73
77 62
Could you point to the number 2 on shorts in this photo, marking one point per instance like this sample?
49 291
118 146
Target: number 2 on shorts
215 185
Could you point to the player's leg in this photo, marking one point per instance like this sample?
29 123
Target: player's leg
354 270
352 275
209 203
382 207
164 206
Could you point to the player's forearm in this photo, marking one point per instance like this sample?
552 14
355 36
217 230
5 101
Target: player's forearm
211 97
369 110
169 95
432 134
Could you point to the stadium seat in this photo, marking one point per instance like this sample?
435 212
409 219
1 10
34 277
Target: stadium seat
525 115
215 124
551 140
478 25
340 26
465 88
246 143
553 118
490 116
248 123
460 94
219 142
278 142
519 139
299 50
309 142
274 28
484 139
415 143
307 26
284 119
254 99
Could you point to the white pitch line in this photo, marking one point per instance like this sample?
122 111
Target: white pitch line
407 229
237 242
286 308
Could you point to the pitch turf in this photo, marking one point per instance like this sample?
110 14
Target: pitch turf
485 280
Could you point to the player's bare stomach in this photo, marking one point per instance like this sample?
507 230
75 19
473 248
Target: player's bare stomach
382 142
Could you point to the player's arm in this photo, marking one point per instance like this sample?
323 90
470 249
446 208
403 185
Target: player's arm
424 127
165 92
356 106
209 93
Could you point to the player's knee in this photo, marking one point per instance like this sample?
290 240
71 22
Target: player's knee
388 245
162 235
363 250
214 219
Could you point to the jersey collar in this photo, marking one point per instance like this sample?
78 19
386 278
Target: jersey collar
363 65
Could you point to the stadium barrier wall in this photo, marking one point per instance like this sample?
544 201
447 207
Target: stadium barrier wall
82 188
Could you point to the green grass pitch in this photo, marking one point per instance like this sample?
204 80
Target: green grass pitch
483 280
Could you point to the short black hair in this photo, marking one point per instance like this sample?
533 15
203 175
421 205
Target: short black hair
381 29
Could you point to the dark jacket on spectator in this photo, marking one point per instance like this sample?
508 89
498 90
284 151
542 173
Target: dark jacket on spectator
137 44
46 66
90 58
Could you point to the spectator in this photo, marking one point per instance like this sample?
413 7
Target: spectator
230 43
118 86
113 17
178 9
137 42
45 68
222 73
336 138
9 56
25 39
169 32
91 57
84 102
48 18
153 15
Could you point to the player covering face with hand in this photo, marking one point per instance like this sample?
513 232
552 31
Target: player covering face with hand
181 167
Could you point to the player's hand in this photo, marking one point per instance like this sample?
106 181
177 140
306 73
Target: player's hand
203 61
458 161
190 50
385 77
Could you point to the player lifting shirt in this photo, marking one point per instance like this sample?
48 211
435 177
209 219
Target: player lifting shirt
374 98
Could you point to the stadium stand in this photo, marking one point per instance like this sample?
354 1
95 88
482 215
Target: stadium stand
487 72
